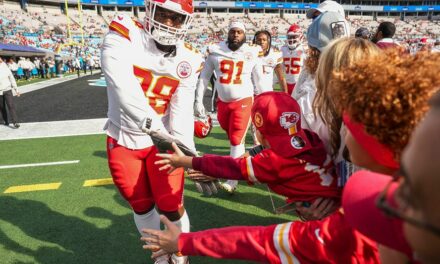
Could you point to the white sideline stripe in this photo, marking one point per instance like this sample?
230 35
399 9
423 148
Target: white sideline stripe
54 129
39 164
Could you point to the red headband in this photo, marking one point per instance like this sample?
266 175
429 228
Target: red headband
379 152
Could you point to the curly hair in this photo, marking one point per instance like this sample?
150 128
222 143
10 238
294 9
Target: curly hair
311 62
339 54
388 94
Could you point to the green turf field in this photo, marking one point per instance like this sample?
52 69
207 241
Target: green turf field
76 224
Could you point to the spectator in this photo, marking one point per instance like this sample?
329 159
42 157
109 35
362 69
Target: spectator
326 6
25 67
7 83
51 65
90 63
319 36
13 66
371 195
380 114
77 65
362 32
384 35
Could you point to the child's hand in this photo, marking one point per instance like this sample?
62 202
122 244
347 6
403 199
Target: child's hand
162 242
172 161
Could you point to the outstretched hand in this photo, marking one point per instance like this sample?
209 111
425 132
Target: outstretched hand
162 242
319 209
173 161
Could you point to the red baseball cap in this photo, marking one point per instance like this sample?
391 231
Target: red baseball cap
379 152
359 202
278 118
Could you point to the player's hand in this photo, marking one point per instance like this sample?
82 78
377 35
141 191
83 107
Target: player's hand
319 209
162 242
18 94
171 161
199 109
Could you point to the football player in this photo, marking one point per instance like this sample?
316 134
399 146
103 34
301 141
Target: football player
238 68
151 75
272 62
294 54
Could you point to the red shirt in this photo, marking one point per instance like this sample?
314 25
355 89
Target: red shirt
304 177
330 240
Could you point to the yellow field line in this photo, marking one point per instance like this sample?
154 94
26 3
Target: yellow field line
98 182
33 187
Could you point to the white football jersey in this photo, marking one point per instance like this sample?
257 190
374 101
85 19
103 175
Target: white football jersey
145 84
293 62
237 71
269 63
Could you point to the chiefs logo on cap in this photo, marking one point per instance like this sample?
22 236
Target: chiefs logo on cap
258 119
288 121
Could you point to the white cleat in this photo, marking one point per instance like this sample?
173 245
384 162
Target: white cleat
230 186
179 259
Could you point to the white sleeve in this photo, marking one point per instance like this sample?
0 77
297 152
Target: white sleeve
205 75
12 80
181 118
258 77
305 97
123 87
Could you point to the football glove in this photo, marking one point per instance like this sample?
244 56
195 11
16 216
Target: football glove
204 184
163 141
199 109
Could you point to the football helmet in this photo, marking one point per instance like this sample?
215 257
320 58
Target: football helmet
294 36
202 126
162 33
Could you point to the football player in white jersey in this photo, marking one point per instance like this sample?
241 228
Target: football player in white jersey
237 66
151 76
294 54
271 61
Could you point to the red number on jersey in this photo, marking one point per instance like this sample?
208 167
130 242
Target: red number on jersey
157 89
227 68
290 65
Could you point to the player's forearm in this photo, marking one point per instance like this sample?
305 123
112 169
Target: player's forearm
280 75
201 87
223 167
240 242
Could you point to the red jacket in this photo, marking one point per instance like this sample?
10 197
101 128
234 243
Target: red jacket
330 240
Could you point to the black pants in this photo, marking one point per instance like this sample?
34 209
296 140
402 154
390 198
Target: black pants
7 99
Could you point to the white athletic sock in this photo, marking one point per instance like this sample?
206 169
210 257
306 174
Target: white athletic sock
237 151
150 220
183 223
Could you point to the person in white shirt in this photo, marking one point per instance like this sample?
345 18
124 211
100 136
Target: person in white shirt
151 77
7 84
272 61
24 66
238 68
13 66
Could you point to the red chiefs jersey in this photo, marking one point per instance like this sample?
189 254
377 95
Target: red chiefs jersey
304 177
330 240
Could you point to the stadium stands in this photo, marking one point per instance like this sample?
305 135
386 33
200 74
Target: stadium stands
45 26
